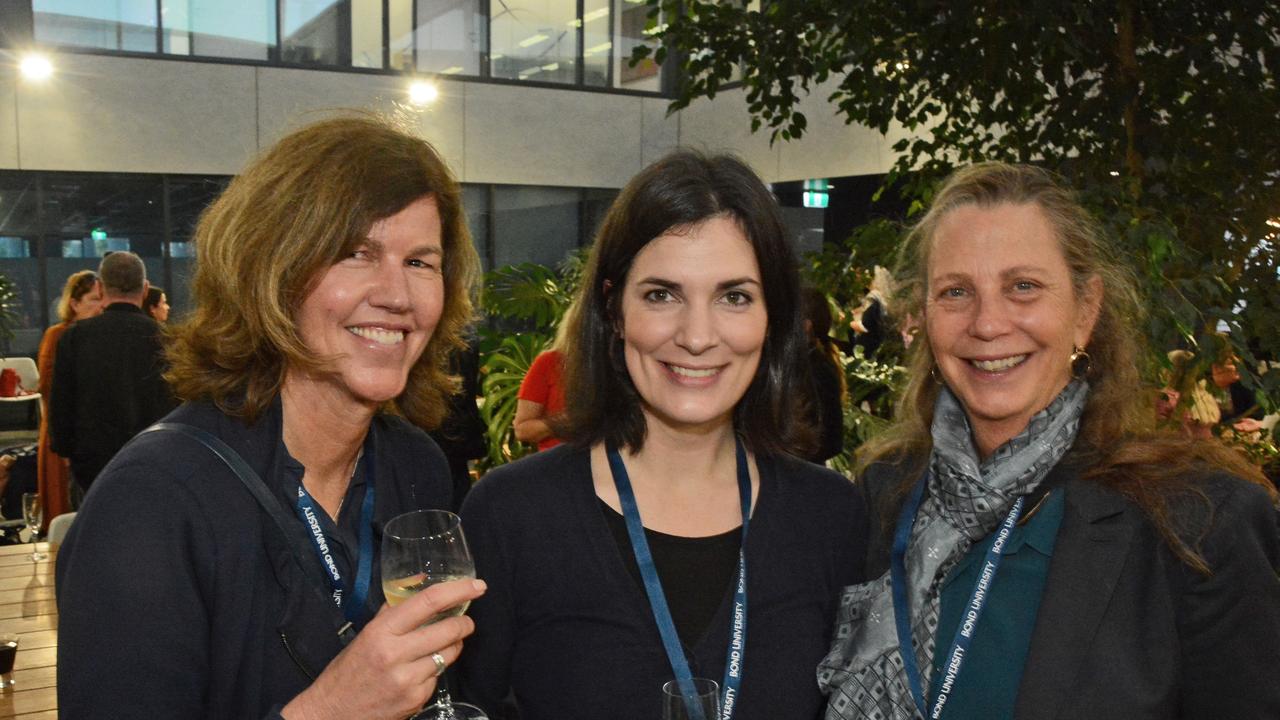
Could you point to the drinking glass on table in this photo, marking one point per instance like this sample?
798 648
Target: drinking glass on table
420 549
702 704
33 516
8 654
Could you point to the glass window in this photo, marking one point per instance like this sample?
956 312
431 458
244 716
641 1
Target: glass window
188 198
220 28
450 35
117 25
534 40
597 42
313 30
633 17
366 33
87 216
534 224
475 200
595 205
18 233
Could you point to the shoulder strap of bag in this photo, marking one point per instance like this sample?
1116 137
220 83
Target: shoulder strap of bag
256 487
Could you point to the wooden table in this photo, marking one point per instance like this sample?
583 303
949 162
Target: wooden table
27 608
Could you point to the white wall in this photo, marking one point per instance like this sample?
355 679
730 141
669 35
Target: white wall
114 114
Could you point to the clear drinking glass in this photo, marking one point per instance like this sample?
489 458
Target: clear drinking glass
33 516
420 549
706 698
8 654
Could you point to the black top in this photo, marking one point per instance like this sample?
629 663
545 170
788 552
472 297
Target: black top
566 628
107 386
177 595
691 569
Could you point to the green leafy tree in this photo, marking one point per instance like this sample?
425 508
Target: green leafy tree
1162 113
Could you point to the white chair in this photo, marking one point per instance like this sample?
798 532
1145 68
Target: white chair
28 374
29 379
58 528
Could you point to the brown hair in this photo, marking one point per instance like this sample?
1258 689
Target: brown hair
77 286
297 209
1148 467
679 191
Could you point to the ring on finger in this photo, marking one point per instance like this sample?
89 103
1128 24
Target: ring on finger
438 659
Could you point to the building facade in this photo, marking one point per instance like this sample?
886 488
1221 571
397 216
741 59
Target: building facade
152 106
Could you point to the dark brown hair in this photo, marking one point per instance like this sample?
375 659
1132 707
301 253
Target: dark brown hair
681 190
305 203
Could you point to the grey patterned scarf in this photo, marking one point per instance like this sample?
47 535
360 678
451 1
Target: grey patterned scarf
863 674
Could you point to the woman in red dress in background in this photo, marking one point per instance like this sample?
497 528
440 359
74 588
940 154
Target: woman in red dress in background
81 298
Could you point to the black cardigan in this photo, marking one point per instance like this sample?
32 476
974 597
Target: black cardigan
566 627
178 597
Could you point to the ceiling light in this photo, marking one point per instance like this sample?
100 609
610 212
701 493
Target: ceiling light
423 92
532 40
36 67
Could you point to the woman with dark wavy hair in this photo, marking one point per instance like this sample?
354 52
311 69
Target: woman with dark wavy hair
1040 550
625 558
233 557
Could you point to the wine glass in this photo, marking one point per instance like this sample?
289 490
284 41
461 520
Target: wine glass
33 515
703 704
420 549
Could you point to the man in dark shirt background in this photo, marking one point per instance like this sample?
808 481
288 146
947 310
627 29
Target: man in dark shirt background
107 383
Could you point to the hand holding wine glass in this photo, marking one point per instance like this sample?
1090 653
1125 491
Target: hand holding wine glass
391 660
33 516
421 549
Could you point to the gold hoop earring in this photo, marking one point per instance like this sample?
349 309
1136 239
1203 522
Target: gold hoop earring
937 377
1081 363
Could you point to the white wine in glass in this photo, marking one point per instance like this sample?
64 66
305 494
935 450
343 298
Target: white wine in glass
420 549
33 516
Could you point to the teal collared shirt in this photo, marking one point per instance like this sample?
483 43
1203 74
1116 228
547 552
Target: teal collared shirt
987 686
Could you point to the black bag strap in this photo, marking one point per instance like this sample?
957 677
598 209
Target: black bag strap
252 482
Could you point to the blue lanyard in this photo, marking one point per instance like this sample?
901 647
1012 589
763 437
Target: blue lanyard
977 601
364 566
736 656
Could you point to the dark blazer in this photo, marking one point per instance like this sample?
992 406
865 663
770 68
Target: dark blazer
107 386
1126 630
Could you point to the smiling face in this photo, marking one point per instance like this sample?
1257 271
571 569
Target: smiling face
693 324
375 310
1002 316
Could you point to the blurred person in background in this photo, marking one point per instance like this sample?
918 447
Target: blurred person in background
107 375
156 304
540 401
826 377
81 298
